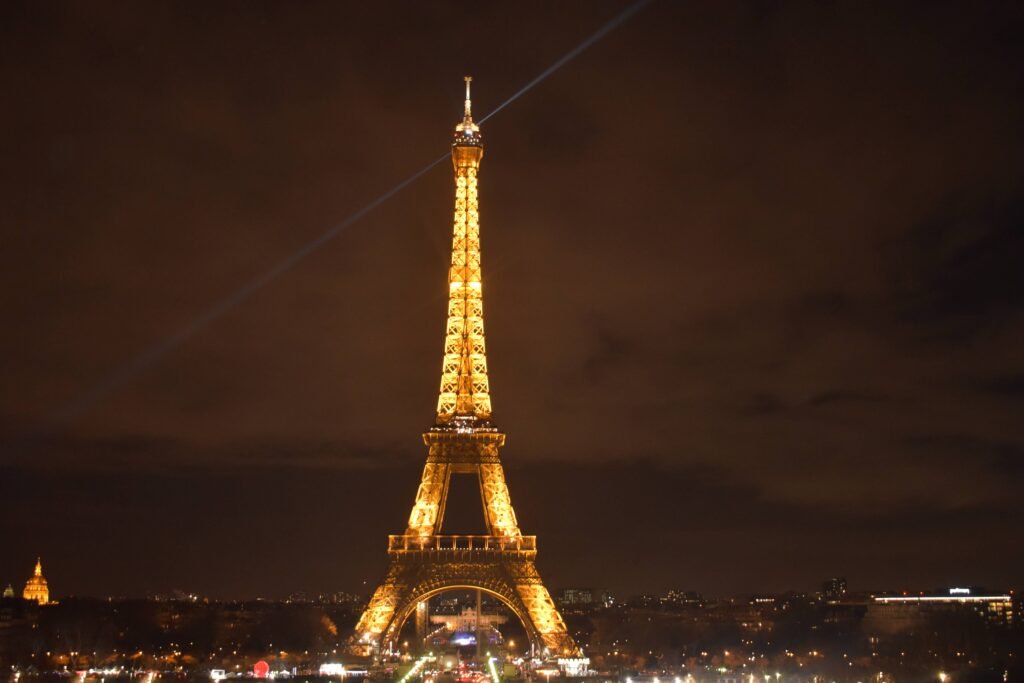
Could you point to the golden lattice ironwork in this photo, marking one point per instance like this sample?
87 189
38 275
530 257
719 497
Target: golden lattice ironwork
463 441
465 390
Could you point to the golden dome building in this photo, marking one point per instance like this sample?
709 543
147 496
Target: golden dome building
36 587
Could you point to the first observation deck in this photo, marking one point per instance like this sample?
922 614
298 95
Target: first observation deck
507 545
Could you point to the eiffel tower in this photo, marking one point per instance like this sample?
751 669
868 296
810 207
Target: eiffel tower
463 441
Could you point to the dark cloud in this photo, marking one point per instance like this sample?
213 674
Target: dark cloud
1005 459
839 397
1010 385
752 288
763 404
960 275
608 351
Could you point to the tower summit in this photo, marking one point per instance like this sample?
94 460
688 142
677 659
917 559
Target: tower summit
463 441
465 398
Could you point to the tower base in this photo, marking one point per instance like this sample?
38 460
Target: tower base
422 566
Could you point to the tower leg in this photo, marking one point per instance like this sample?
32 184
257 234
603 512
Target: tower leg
428 510
500 517
391 594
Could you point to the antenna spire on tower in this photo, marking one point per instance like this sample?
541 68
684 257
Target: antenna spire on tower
467 132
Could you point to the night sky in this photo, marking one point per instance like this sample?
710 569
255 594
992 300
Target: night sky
753 288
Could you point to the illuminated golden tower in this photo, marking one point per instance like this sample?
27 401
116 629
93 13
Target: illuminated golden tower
36 587
464 441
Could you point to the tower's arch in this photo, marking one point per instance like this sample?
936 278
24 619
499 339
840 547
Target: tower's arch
426 593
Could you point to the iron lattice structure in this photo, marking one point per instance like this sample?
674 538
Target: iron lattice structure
464 441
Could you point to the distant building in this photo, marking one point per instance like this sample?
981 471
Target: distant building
468 621
447 604
583 597
834 589
36 587
894 613
577 596
645 601
676 598
340 598
9 591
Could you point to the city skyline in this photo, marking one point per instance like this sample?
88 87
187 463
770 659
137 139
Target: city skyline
36 590
754 295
